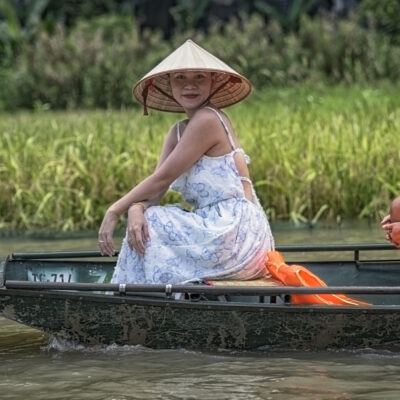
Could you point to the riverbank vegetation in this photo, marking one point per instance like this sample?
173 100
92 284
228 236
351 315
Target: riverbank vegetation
321 152
322 126
92 62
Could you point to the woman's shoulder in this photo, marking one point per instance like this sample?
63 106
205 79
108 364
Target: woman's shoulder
208 111
209 115
202 117
208 118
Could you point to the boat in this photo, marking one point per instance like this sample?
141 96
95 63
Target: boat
68 295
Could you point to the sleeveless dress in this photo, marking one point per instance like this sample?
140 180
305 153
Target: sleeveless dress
226 236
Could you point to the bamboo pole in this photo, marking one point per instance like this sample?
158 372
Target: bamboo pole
201 289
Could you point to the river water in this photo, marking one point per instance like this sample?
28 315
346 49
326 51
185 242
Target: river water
35 366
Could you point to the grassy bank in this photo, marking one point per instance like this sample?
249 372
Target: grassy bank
330 153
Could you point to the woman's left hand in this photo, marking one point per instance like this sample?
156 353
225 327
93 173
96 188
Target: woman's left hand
106 231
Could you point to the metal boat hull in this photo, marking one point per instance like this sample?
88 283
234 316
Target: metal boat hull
96 319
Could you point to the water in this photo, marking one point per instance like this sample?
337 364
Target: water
34 365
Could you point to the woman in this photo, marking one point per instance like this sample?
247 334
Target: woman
227 234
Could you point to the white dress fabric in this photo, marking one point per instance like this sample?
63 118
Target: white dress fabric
226 236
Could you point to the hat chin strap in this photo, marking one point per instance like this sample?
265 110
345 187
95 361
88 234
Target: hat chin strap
232 79
145 93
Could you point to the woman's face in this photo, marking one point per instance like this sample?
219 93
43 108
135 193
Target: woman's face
191 89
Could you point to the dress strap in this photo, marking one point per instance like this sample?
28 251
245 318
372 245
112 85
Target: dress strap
225 127
245 179
240 150
178 131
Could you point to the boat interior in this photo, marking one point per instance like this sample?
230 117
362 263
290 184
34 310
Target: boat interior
370 272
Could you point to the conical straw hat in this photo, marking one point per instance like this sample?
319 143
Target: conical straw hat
154 90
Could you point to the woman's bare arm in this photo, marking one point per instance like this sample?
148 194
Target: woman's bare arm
168 145
199 137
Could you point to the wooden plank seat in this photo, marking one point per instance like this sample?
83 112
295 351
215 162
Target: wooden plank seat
264 281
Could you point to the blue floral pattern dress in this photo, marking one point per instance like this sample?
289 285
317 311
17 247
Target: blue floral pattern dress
226 236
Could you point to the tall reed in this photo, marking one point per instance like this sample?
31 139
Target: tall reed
328 153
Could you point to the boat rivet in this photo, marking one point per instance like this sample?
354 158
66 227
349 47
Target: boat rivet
122 288
168 290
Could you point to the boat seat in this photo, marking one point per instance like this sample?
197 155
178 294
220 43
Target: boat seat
264 281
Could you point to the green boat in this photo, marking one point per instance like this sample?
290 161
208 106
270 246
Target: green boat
69 295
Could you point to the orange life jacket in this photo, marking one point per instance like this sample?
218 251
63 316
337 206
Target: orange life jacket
297 275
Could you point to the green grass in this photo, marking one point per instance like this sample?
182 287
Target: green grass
317 153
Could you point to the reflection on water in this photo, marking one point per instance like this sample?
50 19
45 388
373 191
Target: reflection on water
31 363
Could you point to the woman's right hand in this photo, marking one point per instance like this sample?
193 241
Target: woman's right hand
138 231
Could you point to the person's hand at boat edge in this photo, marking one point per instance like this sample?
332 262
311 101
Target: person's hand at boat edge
392 230
394 233
384 224
385 221
138 231
106 231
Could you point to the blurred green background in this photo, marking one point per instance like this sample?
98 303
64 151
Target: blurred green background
322 125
